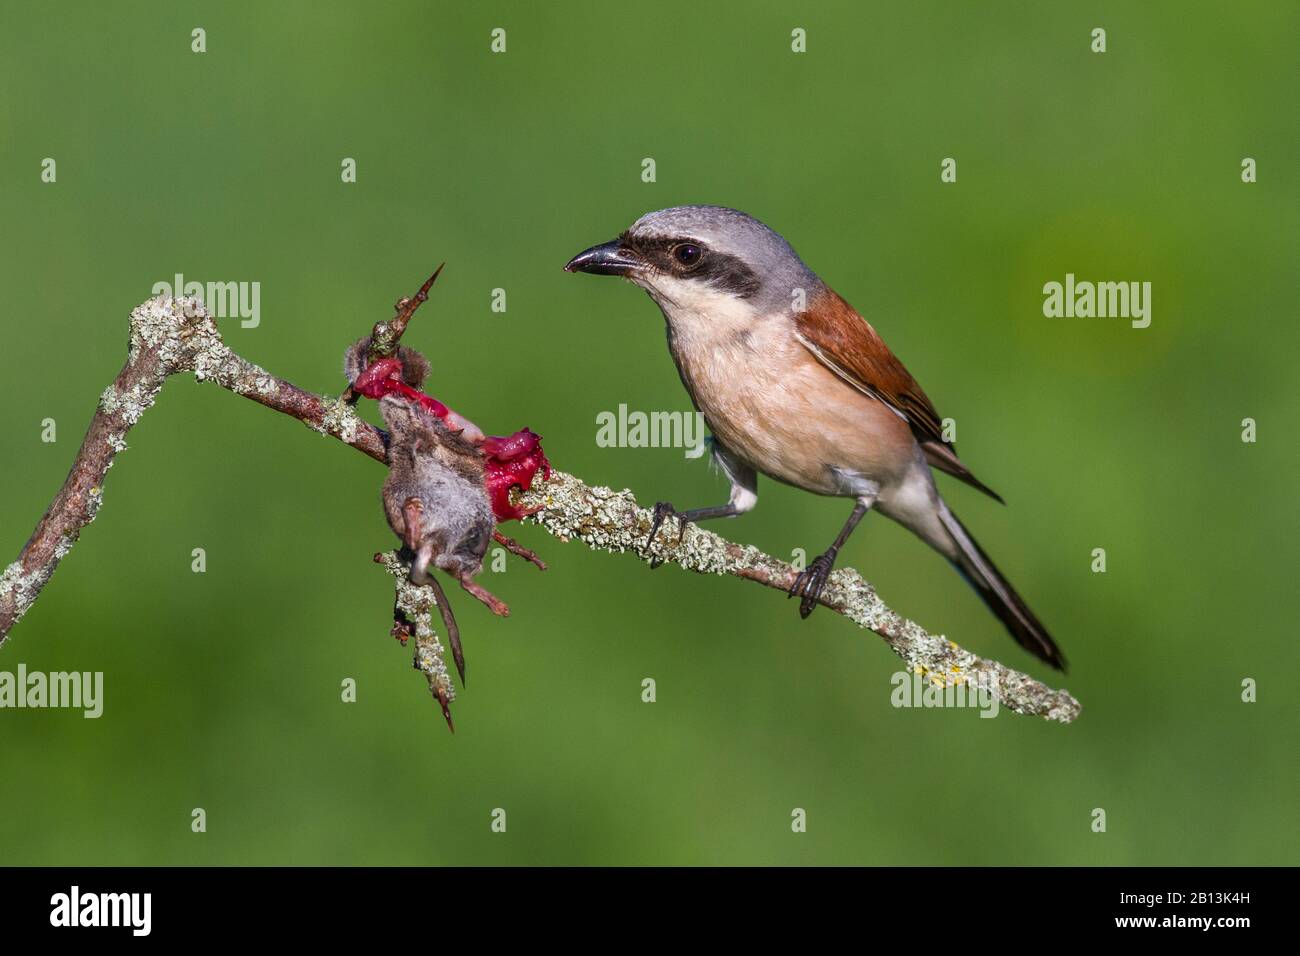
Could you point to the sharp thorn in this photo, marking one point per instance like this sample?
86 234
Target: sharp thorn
424 289
446 710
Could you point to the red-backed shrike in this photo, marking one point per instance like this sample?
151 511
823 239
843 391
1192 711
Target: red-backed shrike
795 384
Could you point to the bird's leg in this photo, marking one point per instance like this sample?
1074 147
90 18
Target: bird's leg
493 603
744 495
665 509
811 581
515 548
449 623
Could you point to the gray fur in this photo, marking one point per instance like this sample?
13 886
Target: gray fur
415 367
431 463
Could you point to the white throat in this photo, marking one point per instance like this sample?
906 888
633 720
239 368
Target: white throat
698 312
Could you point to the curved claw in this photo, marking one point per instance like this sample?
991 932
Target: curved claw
663 510
810 583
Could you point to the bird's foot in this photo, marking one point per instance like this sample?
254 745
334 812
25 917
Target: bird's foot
810 583
662 511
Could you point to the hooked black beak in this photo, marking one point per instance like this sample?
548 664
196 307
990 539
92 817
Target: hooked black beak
607 259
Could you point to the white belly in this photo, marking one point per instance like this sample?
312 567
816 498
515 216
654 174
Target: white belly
770 401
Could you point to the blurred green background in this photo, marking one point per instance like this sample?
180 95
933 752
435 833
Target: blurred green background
223 688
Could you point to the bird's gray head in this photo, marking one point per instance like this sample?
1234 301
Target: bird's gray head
705 262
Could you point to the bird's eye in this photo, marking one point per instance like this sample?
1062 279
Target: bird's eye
687 253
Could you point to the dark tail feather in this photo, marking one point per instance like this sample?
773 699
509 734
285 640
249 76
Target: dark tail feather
1000 596
944 457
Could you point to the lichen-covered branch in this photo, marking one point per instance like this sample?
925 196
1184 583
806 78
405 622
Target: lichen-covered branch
611 521
414 604
167 336
170 336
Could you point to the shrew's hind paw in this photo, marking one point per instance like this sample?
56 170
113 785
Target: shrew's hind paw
515 548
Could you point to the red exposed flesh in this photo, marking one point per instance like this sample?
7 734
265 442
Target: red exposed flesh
511 460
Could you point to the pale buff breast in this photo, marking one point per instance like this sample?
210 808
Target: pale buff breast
769 400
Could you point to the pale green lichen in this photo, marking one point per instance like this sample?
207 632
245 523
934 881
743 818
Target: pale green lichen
62 549
265 384
417 604
11 582
340 421
20 589
217 363
131 404
182 337
94 500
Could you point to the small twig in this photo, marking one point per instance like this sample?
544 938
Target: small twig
167 336
386 336
416 604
